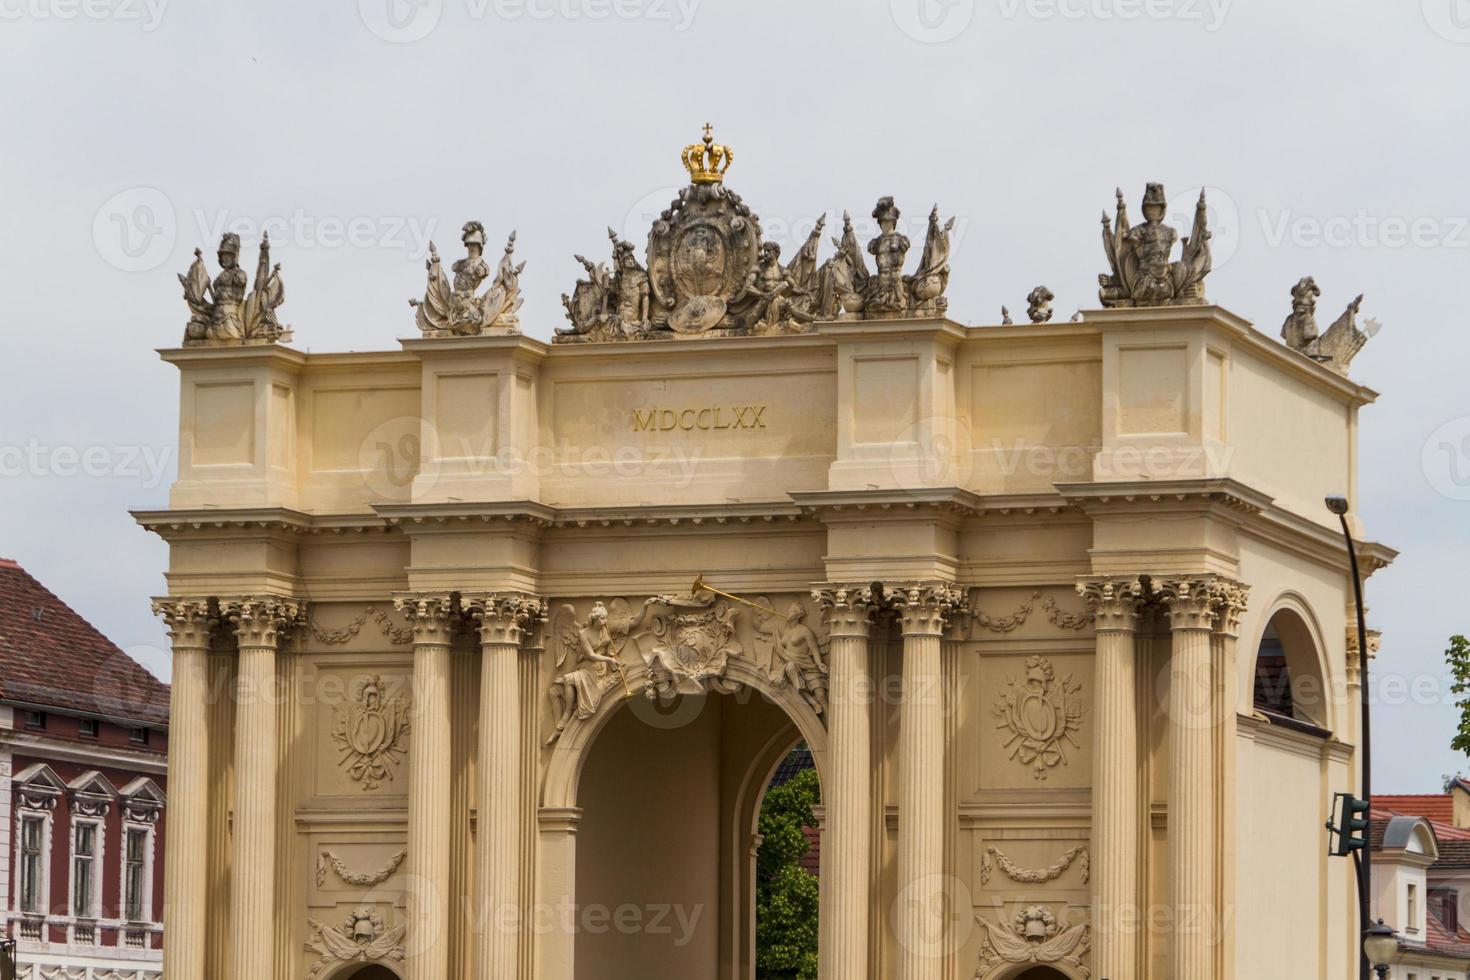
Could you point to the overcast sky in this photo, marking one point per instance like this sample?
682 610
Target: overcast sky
1332 135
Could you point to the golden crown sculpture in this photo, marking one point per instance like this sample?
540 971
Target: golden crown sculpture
707 161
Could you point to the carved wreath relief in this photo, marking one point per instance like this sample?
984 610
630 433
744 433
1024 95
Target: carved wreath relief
1041 714
371 730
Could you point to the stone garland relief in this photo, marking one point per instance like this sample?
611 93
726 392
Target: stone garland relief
362 939
1057 616
371 731
996 858
364 879
1034 936
39 971
392 632
1041 716
685 642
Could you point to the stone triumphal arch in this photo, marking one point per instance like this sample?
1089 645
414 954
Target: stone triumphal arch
485 648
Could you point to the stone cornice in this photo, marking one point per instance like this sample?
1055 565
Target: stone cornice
1226 493
248 355
941 329
518 346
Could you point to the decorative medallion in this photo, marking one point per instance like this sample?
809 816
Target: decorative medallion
1041 714
1034 936
363 939
371 729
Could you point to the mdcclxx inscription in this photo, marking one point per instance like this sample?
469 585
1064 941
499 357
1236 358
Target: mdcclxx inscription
708 418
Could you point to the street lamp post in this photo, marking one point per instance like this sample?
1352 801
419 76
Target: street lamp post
1339 506
1379 946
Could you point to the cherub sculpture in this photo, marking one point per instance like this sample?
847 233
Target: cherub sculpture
220 311
456 310
1038 304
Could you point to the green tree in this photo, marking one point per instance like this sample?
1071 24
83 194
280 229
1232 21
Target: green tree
1458 658
786 894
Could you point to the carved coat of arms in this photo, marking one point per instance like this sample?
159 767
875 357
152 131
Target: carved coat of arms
1042 715
370 730
1034 936
694 642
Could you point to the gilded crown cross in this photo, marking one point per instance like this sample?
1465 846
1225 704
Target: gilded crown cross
708 162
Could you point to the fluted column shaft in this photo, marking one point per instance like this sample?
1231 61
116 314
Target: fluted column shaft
190 626
922 903
259 624
429 788
847 861
1192 714
1115 804
502 619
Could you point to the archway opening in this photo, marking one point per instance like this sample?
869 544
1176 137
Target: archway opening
1042 973
666 846
788 870
372 971
1289 685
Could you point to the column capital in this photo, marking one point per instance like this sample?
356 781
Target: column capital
849 609
1191 603
503 617
259 621
923 608
431 614
1231 598
191 621
1115 602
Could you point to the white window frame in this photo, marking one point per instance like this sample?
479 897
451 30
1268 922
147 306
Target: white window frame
150 838
99 856
44 886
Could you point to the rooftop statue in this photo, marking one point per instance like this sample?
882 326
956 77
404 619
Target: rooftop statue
1139 256
455 310
221 314
1038 304
710 273
1340 344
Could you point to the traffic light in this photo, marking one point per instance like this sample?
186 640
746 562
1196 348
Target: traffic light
1349 823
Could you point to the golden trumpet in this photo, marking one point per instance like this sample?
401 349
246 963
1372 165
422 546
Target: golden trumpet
700 586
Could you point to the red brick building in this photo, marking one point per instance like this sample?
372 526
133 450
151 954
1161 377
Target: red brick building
83 761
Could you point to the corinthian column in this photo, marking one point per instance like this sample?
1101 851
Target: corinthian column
1193 714
846 862
502 619
190 626
1115 604
259 623
429 785
923 931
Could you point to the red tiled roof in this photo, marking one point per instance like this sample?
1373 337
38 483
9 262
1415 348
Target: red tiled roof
50 656
1441 940
1434 807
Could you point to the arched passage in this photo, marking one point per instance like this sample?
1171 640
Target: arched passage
1289 679
371 971
668 794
